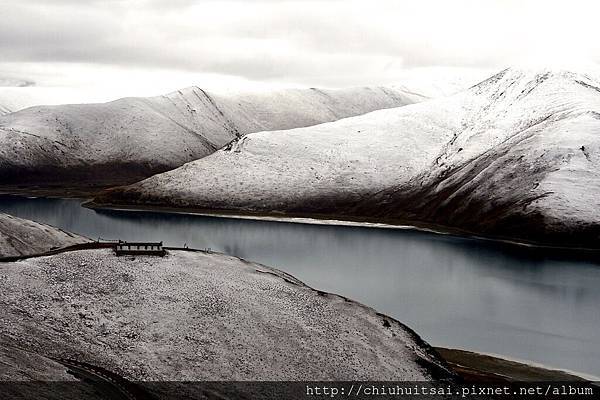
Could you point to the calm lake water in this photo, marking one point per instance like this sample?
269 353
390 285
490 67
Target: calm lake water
454 292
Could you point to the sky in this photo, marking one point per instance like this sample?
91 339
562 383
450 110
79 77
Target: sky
145 47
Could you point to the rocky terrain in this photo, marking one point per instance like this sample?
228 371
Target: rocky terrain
133 138
516 156
198 316
23 237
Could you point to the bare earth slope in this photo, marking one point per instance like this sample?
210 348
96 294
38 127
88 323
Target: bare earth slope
196 316
515 156
23 237
132 138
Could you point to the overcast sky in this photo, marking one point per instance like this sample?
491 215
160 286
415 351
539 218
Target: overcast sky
151 46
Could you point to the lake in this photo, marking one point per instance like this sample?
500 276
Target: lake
454 292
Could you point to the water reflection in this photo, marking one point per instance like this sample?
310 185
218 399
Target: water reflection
452 291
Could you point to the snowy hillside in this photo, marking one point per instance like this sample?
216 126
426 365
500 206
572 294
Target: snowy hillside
133 138
15 98
192 316
23 237
514 156
435 82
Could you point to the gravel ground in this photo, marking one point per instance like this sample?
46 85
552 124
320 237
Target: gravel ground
199 316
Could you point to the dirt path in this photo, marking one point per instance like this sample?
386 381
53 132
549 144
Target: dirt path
108 383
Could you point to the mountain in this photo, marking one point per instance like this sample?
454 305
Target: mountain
435 82
16 98
132 138
516 156
18 95
195 316
23 237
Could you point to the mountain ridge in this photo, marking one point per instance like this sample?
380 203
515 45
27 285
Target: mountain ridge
514 156
20 237
132 138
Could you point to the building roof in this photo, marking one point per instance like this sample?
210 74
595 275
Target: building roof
122 243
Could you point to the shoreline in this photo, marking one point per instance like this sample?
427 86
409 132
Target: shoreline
332 220
87 195
474 366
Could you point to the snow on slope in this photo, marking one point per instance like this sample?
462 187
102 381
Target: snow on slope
435 82
193 316
517 156
18 94
23 237
15 98
133 138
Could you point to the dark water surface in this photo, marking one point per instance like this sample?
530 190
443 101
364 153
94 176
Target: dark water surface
454 292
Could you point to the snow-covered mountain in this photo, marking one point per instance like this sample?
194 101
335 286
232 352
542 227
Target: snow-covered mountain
133 138
23 237
15 98
435 82
517 156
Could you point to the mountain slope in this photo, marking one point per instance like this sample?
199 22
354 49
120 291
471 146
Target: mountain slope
194 316
23 237
515 156
133 138
15 98
8 100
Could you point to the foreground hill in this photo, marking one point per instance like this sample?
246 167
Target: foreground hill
516 156
132 138
193 316
23 237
